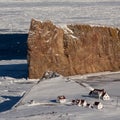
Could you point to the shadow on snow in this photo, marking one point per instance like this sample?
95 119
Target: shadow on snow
9 103
13 46
14 70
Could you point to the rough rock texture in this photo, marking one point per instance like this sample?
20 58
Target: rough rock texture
72 49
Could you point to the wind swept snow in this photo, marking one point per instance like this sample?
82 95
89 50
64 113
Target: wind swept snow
15 15
40 101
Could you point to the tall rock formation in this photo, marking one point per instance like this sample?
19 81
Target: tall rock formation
72 49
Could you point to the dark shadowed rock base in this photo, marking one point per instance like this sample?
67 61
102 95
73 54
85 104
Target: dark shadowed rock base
73 49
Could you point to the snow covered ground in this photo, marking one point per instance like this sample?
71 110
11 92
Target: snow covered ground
16 91
44 95
15 15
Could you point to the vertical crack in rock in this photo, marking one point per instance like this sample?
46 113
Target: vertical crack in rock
72 49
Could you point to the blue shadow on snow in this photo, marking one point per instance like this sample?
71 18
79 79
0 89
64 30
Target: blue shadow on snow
13 46
9 103
17 71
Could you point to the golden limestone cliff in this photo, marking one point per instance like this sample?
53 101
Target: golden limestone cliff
72 49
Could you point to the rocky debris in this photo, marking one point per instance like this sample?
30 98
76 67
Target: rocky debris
50 74
72 49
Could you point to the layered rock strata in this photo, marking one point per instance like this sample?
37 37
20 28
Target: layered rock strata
72 49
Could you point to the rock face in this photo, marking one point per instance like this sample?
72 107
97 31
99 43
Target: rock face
72 49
